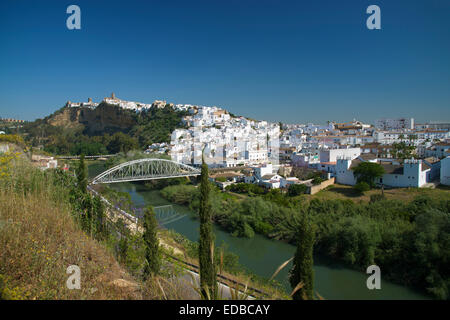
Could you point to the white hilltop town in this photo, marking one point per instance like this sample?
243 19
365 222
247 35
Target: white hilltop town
268 152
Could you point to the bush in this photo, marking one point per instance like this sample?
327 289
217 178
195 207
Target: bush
248 231
362 187
180 194
317 180
245 188
297 189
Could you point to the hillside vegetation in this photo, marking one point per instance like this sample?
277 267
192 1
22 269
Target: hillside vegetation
46 225
40 239
107 129
344 192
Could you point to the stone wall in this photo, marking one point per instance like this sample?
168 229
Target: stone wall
323 185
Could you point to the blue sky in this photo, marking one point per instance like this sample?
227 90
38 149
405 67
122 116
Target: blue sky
290 61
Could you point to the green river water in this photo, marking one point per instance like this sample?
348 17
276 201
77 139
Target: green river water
262 256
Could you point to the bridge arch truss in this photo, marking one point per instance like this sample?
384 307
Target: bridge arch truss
145 169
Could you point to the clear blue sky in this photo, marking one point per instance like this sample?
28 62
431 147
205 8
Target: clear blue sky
278 60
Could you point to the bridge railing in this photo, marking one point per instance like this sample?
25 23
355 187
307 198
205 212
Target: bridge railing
122 212
86 157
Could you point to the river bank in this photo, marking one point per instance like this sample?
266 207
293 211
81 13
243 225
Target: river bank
262 256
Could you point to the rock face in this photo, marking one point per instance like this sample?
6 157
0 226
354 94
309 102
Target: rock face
103 119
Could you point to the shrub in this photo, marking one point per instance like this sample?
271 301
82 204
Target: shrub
297 189
317 180
248 231
362 187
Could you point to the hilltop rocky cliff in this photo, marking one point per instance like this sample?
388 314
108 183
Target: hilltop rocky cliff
104 118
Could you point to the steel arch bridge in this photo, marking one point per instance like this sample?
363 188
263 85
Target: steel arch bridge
145 169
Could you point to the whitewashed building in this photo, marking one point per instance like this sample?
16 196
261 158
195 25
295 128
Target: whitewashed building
410 173
331 155
445 171
395 124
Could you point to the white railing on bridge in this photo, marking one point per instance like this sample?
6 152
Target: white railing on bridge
86 157
146 169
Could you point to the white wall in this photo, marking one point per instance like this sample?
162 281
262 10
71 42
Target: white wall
262 171
445 171
412 176
343 174
332 154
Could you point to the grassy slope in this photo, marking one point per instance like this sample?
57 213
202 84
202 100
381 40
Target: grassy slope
338 191
39 240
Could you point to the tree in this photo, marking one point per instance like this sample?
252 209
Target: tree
362 187
82 175
317 180
99 218
151 243
208 283
302 270
297 189
121 142
367 172
402 150
122 245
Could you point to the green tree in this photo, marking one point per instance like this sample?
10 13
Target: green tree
121 142
367 172
208 283
297 189
82 175
302 270
122 245
99 218
362 187
151 243
317 180
402 150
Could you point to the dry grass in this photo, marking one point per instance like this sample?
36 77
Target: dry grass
39 240
338 191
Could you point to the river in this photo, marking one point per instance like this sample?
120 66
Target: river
263 256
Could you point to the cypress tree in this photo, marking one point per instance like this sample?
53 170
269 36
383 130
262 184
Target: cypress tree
99 218
122 245
208 283
82 175
302 269
151 243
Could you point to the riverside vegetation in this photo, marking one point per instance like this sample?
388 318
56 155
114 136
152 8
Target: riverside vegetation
409 241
